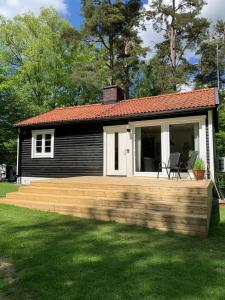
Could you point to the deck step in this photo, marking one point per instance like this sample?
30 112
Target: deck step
168 221
121 187
156 196
169 205
158 205
144 198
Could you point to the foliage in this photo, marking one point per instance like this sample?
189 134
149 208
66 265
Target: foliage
144 81
62 257
212 53
39 70
199 164
220 135
183 31
220 176
90 74
113 26
220 143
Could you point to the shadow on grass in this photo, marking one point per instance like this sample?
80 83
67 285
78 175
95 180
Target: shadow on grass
60 257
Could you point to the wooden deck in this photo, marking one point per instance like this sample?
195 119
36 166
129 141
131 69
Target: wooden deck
178 205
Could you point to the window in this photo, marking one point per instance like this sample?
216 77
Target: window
148 148
42 143
184 138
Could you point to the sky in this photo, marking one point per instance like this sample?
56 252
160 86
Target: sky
70 9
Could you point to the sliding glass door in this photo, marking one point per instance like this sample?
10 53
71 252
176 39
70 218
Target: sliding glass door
148 148
184 138
154 142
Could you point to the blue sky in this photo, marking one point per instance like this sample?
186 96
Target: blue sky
74 15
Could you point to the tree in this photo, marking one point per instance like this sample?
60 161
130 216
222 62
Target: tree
90 73
183 30
38 58
113 26
211 65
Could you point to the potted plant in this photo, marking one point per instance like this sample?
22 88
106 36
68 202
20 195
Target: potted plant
199 169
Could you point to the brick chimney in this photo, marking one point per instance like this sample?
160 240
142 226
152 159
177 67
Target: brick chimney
112 94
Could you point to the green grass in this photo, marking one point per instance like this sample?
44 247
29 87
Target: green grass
6 187
61 257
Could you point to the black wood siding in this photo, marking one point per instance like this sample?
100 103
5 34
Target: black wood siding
78 151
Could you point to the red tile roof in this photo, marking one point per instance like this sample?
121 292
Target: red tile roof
204 98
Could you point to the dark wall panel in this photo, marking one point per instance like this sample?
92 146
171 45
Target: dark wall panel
78 151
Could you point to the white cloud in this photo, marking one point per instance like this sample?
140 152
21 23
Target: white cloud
213 10
10 8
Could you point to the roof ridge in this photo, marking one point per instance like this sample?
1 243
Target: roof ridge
80 105
168 94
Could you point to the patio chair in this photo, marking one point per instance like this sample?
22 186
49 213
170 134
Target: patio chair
172 166
188 166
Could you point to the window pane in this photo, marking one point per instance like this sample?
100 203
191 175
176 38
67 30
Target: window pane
148 148
38 149
48 143
47 149
116 151
39 137
48 137
184 138
38 143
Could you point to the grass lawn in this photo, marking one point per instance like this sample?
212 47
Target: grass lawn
6 187
61 257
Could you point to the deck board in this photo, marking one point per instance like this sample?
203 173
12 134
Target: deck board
178 205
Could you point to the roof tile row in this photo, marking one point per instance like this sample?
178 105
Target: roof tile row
204 98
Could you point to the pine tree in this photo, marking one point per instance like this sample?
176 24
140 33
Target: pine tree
211 66
113 26
183 30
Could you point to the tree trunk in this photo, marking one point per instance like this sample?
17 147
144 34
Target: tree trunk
111 60
171 34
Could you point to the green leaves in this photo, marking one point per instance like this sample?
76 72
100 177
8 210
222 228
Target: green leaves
183 31
38 60
113 26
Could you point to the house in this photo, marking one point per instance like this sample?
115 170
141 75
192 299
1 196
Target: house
124 140
118 137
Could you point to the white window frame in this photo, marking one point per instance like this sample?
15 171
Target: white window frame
165 138
43 154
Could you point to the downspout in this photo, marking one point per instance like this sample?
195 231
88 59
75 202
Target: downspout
18 167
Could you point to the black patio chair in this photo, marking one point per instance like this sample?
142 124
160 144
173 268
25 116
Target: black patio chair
189 165
172 166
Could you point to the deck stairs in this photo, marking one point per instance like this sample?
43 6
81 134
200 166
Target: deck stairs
163 204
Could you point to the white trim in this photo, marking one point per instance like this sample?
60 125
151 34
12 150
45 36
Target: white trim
129 154
104 153
115 128
202 141
170 121
211 144
17 153
43 154
165 144
27 180
111 130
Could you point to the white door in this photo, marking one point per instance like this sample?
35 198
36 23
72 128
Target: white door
116 150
